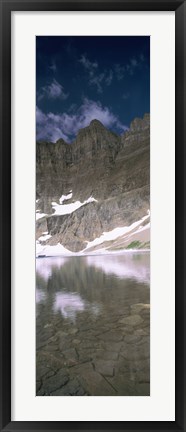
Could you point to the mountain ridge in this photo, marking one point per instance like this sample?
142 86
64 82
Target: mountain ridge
136 124
114 170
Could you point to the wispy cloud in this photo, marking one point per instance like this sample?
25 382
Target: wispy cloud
109 77
132 66
119 71
100 78
134 62
96 77
128 68
142 58
97 80
53 66
53 90
90 66
125 96
51 127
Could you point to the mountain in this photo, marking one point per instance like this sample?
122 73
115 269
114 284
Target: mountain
97 184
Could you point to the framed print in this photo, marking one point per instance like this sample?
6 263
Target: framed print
92 215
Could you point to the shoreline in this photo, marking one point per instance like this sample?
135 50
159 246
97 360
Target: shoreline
96 253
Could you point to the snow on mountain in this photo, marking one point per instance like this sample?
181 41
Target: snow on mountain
93 195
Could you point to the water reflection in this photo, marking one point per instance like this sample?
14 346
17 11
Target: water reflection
72 285
68 304
133 266
40 296
93 325
129 265
44 266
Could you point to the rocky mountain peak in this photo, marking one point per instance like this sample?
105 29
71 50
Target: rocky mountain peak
113 169
95 127
93 140
61 141
139 124
96 123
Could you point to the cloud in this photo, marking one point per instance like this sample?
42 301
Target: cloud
132 65
51 127
125 96
128 68
134 62
88 64
95 77
142 58
97 81
99 78
53 66
72 107
52 91
119 71
109 78
47 128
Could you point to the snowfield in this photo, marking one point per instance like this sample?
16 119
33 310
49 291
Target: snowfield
62 209
116 233
44 237
40 215
65 197
57 250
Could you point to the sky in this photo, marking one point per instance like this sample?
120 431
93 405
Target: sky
81 78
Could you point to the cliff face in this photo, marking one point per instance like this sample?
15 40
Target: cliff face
81 166
114 170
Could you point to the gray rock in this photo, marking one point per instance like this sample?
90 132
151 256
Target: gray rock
105 368
55 382
112 336
72 388
132 320
143 389
136 352
132 339
114 170
139 307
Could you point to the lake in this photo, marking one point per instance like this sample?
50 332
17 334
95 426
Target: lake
93 325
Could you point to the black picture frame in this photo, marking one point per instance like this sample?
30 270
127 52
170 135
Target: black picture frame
6 7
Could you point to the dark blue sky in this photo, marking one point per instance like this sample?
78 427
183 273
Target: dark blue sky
80 78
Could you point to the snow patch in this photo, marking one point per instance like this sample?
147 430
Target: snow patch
57 250
142 228
40 215
115 233
44 237
65 197
62 209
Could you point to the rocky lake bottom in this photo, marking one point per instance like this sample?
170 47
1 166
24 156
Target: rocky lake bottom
93 325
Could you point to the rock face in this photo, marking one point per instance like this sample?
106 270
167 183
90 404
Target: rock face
113 169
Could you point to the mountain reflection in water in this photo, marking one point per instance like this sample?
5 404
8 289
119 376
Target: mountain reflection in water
93 324
74 284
